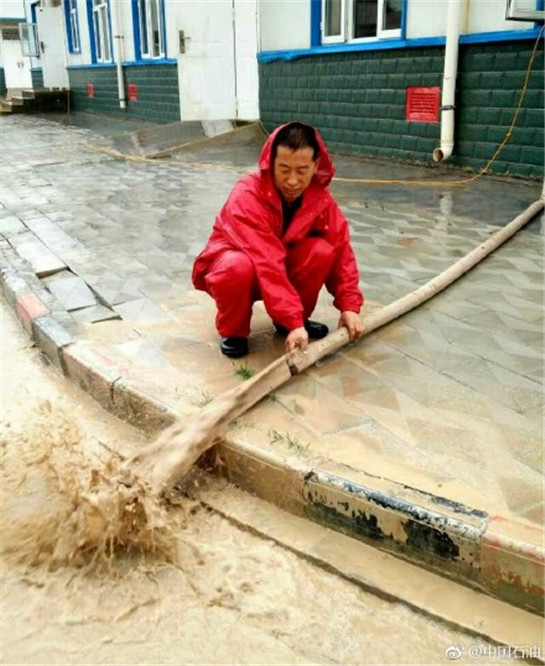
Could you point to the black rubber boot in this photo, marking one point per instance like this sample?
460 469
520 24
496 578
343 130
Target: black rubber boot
315 330
234 347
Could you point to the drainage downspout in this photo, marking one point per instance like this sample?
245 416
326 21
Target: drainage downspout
444 151
118 50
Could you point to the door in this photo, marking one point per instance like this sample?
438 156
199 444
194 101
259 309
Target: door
51 34
16 66
246 71
206 62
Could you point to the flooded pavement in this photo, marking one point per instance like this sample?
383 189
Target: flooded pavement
228 597
447 400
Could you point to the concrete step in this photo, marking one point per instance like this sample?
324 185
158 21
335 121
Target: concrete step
35 101
11 106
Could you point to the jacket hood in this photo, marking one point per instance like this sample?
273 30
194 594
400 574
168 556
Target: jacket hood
325 171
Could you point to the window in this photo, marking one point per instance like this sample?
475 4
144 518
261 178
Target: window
358 20
10 33
151 28
100 29
72 25
28 34
333 20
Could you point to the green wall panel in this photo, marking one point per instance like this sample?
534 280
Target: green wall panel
37 78
358 102
156 85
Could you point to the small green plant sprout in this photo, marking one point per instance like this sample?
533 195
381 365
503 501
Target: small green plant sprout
295 445
244 372
275 436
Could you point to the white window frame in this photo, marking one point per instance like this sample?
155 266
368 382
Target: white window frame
73 25
347 25
333 39
145 22
102 30
382 33
30 44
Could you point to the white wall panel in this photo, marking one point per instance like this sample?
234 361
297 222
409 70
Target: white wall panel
284 24
427 18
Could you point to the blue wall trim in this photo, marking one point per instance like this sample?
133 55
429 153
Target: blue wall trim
315 21
93 65
382 45
404 19
155 61
136 29
89 6
13 19
133 63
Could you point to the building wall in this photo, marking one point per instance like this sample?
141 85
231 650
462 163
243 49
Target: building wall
357 100
428 18
12 9
157 90
284 25
287 25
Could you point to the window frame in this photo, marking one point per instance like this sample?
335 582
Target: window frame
97 10
30 43
334 39
347 27
72 26
143 29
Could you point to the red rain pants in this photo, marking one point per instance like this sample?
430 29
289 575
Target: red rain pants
232 283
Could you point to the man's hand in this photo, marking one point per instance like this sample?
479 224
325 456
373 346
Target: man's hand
353 323
297 338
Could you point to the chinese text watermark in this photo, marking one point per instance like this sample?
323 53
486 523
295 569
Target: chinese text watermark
454 652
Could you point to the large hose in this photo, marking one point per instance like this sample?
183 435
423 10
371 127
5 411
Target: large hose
178 447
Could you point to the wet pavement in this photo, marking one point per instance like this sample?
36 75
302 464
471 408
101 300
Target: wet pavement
447 400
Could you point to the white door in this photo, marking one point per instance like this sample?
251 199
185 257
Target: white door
246 71
51 34
16 66
206 70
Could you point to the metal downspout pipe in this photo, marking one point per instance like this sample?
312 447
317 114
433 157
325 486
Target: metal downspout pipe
444 151
118 52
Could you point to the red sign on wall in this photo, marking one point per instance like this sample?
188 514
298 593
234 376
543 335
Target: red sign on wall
133 92
90 90
422 104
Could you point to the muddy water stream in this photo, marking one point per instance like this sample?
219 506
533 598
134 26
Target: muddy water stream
223 596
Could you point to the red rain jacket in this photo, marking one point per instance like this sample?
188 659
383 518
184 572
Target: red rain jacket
251 221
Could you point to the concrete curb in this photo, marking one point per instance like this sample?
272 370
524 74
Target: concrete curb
498 555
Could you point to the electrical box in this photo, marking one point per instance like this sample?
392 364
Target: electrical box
422 104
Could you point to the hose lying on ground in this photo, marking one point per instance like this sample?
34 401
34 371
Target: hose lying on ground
161 464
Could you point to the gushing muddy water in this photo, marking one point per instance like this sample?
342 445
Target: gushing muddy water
180 585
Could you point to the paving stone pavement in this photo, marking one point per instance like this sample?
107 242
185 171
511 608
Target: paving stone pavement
447 400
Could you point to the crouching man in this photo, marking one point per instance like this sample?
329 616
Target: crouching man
279 238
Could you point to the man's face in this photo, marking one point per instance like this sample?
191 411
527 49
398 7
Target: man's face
293 171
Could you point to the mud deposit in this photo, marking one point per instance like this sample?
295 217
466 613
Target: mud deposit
166 584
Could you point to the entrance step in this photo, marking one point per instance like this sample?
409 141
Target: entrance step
11 106
35 101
